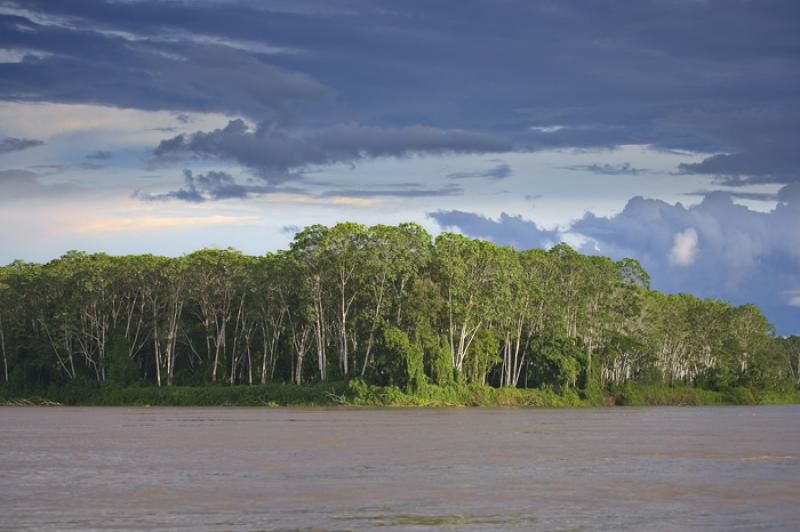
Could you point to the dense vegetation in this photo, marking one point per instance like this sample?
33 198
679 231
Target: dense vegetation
380 314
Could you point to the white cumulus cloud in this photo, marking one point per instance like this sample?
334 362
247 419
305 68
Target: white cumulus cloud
684 248
793 298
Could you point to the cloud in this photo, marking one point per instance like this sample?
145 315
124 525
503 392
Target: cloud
149 67
217 186
290 229
20 56
506 230
496 173
756 145
52 169
21 184
212 186
547 129
793 298
12 144
790 194
608 169
277 154
394 192
15 177
684 249
713 77
733 236
753 166
753 196
100 155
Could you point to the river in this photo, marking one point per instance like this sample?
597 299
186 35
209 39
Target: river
208 469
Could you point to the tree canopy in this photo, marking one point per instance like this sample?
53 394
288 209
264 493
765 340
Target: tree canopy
387 304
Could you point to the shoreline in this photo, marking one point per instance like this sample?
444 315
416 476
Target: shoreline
357 394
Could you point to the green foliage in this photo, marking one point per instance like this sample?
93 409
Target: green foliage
438 349
555 361
122 370
630 394
85 392
391 350
357 392
400 347
464 394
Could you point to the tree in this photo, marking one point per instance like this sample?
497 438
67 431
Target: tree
467 271
306 253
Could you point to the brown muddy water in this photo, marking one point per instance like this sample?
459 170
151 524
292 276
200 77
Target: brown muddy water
197 469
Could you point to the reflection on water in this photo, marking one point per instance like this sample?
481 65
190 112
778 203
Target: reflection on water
400 469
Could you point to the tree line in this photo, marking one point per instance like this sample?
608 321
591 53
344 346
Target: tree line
387 304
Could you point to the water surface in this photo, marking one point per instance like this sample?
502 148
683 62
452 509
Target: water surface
722 468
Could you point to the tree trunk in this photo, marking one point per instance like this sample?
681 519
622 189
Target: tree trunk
319 324
374 325
264 351
236 333
156 346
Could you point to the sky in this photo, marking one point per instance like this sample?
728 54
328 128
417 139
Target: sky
666 131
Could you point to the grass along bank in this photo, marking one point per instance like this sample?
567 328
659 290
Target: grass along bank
358 393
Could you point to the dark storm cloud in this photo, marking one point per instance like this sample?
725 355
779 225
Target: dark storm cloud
750 167
212 186
496 173
760 145
754 196
608 169
714 76
12 144
714 249
276 154
790 194
216 186
103 63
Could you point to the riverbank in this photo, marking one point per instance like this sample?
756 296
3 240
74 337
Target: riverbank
358 393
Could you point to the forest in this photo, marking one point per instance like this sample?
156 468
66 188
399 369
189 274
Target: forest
383 307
